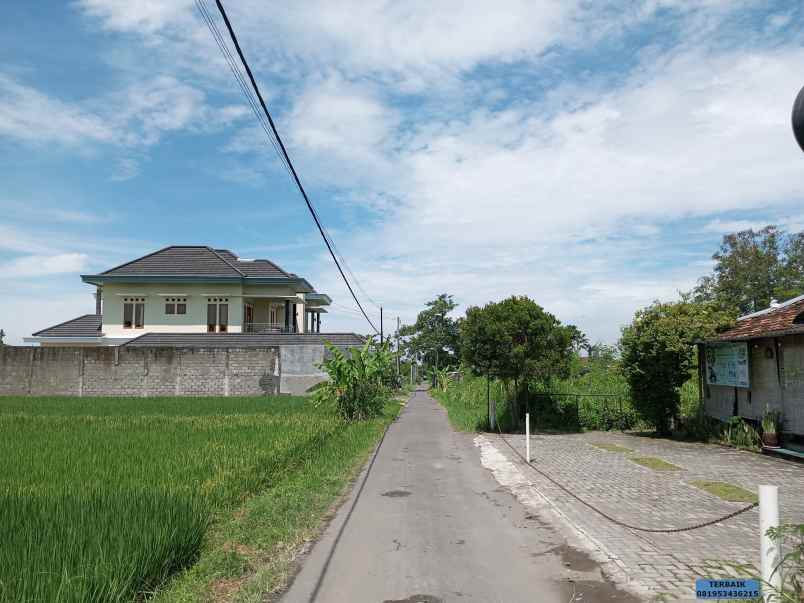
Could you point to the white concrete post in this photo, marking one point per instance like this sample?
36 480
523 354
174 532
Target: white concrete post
770 555
527 436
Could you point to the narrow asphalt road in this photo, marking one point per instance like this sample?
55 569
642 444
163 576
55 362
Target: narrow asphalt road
431 524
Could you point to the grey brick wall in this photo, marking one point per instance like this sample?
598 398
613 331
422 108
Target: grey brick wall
107 371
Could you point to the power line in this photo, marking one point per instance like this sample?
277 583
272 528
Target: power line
238 75
286 157
227 55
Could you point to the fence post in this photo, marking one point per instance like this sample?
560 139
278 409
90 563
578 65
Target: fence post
770 555
527 436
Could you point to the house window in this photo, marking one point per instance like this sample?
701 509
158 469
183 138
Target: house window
176 305
273 316
217 314
133 312
223 317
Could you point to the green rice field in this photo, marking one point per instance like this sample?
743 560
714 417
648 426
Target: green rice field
107 499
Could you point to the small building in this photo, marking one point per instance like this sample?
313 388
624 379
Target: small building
758 365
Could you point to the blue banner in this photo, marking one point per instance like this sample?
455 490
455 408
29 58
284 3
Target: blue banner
729 588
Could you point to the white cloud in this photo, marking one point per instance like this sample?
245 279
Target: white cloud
29 115
692 134
41 265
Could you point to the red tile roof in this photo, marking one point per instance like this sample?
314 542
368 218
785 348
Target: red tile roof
772 322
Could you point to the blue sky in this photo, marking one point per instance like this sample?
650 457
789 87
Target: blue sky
590 155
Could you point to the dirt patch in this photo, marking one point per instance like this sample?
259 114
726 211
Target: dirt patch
396 493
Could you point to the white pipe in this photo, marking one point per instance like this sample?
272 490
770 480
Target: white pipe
770 555
527 436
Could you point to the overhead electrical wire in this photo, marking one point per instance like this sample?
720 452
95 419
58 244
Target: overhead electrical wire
224 48
275 139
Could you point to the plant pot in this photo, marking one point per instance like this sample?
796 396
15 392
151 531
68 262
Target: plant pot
770 440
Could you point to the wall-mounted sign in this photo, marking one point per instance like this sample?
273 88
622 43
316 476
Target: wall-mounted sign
727 364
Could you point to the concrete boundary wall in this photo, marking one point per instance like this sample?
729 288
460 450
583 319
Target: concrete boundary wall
157 371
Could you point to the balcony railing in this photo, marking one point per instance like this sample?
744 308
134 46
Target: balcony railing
266 327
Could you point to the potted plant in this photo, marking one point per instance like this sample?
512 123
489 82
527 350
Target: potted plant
771 422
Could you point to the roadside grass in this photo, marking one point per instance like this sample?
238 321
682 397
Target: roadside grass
611 447
106 499
466 403
657 464
251 553
726 491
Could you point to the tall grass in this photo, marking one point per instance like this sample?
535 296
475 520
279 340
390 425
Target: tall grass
102 500
595 397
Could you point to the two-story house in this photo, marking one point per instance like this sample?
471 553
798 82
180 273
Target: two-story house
191 289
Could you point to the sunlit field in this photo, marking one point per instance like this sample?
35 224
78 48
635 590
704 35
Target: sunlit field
104 499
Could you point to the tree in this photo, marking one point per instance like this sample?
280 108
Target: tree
516 340
657 354
754 267
579 340
482 340
434 334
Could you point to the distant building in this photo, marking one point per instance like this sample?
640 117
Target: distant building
758 365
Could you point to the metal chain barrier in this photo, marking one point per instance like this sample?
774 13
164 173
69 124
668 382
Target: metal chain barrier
615 520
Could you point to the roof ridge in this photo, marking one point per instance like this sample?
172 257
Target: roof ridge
781 306
225 261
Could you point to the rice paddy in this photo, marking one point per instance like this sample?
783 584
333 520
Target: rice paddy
106 499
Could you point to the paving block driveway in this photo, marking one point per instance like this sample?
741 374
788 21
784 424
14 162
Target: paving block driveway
663 565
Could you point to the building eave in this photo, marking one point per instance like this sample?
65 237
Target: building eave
102 279
107 341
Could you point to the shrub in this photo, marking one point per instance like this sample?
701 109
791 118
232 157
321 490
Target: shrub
359 382
658 355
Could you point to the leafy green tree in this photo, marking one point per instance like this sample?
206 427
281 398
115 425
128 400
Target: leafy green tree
657 354
435 335
516 340
754 267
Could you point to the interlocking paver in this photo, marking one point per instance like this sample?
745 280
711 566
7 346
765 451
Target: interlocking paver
660 563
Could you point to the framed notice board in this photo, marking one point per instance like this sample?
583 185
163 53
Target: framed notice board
727 364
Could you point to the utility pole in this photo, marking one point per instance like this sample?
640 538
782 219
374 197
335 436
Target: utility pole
382 339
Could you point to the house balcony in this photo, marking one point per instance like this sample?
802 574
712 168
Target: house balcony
263 328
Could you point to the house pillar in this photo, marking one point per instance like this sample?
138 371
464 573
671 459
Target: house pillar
318 322
295 318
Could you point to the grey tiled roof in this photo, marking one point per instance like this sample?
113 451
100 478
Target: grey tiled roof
242 340
178 260
196 260
253 267
88 325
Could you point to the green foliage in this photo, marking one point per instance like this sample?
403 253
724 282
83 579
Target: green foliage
516 340
740 433
753 267
657 354
359 381
103 499
790 537
435 336
465 401
771 421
